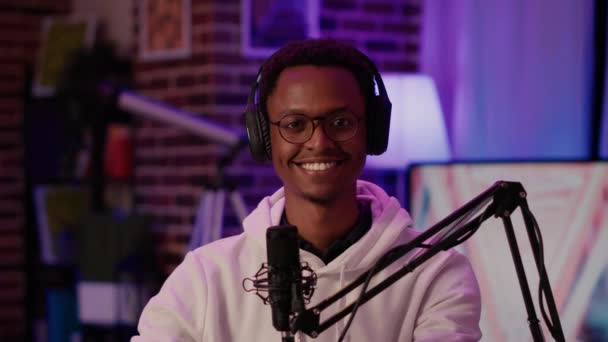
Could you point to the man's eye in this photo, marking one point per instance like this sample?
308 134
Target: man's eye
295 124
341 122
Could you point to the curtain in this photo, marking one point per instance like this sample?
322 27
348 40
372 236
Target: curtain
514 77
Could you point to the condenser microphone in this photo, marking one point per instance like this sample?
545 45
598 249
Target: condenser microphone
284 277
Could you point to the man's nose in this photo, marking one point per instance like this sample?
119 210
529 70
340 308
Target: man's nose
319 138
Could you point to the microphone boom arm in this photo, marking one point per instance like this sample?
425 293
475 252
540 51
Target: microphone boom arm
505 197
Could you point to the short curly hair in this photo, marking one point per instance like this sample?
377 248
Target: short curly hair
319 52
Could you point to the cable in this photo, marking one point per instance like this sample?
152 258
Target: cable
358 302
543 283
542 274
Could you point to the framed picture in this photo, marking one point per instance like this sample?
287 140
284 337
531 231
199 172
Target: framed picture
165 29
61 38
266 25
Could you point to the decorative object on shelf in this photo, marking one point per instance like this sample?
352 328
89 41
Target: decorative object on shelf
61 38
60 210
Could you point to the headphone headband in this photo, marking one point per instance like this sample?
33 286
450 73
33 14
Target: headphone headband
378 113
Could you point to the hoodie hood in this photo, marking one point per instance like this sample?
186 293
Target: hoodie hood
388 223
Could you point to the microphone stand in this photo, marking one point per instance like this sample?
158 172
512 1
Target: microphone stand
505 197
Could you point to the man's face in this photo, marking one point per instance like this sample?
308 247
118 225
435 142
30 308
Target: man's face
319 170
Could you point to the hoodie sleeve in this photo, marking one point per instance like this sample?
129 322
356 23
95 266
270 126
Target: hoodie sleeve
177 312
451 307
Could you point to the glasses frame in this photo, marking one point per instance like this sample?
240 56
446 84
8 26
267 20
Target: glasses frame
320 122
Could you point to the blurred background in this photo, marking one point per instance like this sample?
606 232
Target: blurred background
121 141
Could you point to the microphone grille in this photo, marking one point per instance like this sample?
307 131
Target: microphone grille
282 246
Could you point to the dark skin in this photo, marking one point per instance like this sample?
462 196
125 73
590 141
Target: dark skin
321 203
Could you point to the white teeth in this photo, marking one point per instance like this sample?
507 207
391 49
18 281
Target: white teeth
318 166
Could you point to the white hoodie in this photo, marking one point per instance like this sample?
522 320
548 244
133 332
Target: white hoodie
203 299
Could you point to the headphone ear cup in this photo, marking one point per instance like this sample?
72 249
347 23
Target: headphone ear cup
384 122
265 134
370 121
378 124
257 132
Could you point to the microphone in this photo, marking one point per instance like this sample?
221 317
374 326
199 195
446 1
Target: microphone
283 282
284 277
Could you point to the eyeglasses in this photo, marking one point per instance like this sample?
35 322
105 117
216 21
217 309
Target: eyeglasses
298 128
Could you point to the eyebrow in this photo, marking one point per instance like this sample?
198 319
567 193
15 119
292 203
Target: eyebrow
323 115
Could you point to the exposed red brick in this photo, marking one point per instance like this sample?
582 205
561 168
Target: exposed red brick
10 145
11 278
143 180
159 83
402 66
176 180
11 258
10 106
201 18
413 48
226 17
412 10
12 329
38 7
377 45
185 81
152 161
225 120
226 59
11 313
247 79
215 37
230 98
195 160
154 199
183 140
199 59
177 101
401 28
194 100
359 25
145 67
379 7
339 5
12 295
166 220
186 201
145 141
222 79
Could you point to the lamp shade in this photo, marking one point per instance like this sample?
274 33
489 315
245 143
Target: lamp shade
417 131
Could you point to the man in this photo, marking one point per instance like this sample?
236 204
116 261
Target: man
315 113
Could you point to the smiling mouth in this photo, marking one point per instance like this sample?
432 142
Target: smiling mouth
318 166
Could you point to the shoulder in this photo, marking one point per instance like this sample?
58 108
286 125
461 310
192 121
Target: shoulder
227 245
448 272
230 249
450 301
211 267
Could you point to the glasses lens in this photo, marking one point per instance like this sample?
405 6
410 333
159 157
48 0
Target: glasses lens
298 128
340 126
295 128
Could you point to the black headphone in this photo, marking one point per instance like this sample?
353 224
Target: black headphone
377 119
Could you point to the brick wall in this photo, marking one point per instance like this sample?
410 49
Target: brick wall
172 166
20 23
